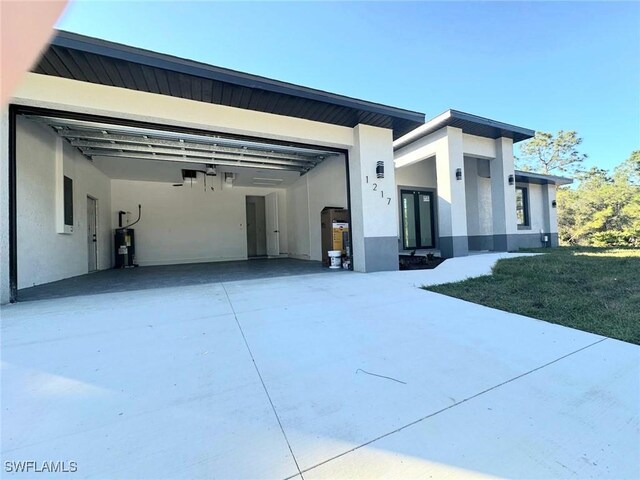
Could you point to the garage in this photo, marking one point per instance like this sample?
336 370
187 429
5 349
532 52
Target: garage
183 171
142 196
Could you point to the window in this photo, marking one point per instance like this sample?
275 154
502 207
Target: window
522 206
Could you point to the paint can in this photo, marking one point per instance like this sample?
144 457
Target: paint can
335 256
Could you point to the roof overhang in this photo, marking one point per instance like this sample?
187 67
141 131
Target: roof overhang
541 179
468 123
88 59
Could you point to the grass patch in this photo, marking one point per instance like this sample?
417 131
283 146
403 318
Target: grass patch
592 289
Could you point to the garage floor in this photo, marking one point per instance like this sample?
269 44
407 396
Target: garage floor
336 375
142 278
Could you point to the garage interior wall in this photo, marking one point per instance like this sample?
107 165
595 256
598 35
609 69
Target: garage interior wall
179 224
324 186
43 254
188 224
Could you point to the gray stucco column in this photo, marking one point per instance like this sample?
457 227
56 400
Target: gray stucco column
452 203
374 209
503 197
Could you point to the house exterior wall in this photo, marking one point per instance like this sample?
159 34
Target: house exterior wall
374 229
45 255
542 217
481 215
4 205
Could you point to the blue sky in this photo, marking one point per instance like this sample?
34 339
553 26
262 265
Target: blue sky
541 65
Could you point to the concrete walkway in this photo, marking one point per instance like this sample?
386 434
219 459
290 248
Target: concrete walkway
331 376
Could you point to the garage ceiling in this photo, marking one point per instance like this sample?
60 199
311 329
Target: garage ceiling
99 141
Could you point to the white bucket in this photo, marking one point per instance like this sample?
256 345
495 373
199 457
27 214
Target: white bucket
335 256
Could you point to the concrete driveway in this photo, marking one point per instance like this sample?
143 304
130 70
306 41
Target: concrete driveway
334 375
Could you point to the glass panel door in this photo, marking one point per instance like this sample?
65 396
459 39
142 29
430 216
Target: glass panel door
408 220
425 219
417 220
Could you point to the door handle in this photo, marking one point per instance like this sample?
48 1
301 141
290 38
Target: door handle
276 231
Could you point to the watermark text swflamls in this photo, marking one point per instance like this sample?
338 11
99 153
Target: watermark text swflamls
32 466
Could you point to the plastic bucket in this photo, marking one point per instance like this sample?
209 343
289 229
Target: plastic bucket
335 256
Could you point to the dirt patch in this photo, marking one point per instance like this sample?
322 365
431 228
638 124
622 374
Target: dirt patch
408 262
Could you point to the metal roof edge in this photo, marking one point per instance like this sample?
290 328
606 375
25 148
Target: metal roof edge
491 123
76 41
433 125
555 179
447 117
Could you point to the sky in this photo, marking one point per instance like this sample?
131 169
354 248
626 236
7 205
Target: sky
546 66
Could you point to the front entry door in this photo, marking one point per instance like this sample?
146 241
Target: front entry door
92 231
418 228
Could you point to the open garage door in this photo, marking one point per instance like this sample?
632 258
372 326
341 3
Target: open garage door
192 187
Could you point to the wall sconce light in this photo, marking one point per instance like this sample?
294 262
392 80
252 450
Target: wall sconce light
512 180
458 174
554 204
380 169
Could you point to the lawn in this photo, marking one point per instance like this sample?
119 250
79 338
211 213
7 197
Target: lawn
592 289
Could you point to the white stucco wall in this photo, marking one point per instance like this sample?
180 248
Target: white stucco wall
537 209
549 194
188 225
503 195
485 216
420 174
4 205
83 97
43 254
327 185
452 208
298 219
480 147
471 195
324 186
478 196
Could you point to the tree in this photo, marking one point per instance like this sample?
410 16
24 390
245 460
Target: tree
548 153
604 209
630 169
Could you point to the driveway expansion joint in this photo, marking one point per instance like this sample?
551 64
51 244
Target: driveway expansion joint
264 386
415 422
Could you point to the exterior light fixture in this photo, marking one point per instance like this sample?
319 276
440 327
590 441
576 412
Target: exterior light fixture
554 204
380 169
512 180
458 174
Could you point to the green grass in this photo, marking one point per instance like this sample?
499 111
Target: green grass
592 289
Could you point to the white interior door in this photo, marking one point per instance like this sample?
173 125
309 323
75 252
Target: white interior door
92 231
273 225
